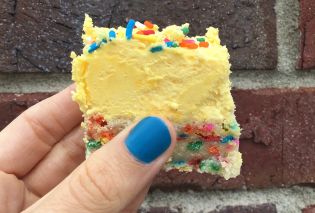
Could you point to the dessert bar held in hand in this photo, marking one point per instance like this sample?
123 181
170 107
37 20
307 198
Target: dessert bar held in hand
127 73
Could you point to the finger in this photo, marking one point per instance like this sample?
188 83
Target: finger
13 194
57 164
115 174
31 135
134 205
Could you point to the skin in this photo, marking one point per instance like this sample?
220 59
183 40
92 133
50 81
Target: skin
43 168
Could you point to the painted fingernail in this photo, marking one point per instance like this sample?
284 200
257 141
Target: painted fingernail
148 139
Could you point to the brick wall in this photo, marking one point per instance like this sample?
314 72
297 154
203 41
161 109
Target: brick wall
272 47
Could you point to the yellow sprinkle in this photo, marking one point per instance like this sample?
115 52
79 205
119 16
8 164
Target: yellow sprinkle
149 38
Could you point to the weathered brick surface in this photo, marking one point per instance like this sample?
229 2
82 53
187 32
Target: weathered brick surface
7 52
259 208
277 141
11 105
46 31
248 28
299 138
307 27
309 209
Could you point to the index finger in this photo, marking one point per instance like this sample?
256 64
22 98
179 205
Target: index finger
26 140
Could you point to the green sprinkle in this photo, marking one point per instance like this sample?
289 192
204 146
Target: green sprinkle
175 44
156 49
215 166
201 39
209 166
185 30
92 144
195 146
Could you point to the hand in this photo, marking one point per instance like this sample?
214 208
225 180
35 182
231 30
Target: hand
42 167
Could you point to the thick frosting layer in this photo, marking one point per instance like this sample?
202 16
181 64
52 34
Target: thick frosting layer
128 78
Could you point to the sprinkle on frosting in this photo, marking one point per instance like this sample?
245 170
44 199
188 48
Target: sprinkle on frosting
149 33
201 39
129 28
112 35
148 24
185 30
156 49
94 46
139 25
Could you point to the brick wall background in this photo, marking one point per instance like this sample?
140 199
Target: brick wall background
272 47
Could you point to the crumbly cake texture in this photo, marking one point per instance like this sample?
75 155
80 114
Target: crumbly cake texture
125 74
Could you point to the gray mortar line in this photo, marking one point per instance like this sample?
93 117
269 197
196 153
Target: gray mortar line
287 200
53 82
288 35
286 76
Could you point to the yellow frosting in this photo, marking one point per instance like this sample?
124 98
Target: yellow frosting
123 78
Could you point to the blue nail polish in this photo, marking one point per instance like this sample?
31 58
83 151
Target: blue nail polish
148 139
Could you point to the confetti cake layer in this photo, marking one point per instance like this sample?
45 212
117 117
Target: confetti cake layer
127 73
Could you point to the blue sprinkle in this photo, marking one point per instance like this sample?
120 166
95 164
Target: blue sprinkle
129 28
111 34
179 163
94 46
169 43
233 126
156 49
182 135
104 40
227 139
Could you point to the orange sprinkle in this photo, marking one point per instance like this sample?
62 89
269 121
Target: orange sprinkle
203 44
192 46
214 151
107 135
188 44
188 128
140 32
183 44
148 24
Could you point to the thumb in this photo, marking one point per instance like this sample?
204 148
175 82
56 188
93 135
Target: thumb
114 175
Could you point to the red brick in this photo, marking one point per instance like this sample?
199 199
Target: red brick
277 140
11 105
309 209
259 208
53 30
8 62
248 28
299 137
307 27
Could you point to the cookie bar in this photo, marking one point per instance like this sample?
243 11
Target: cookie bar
127 73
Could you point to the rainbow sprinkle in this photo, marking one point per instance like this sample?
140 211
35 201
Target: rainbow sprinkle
94 46
111 35
156 49
227 139
129 28
143 32
185 30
